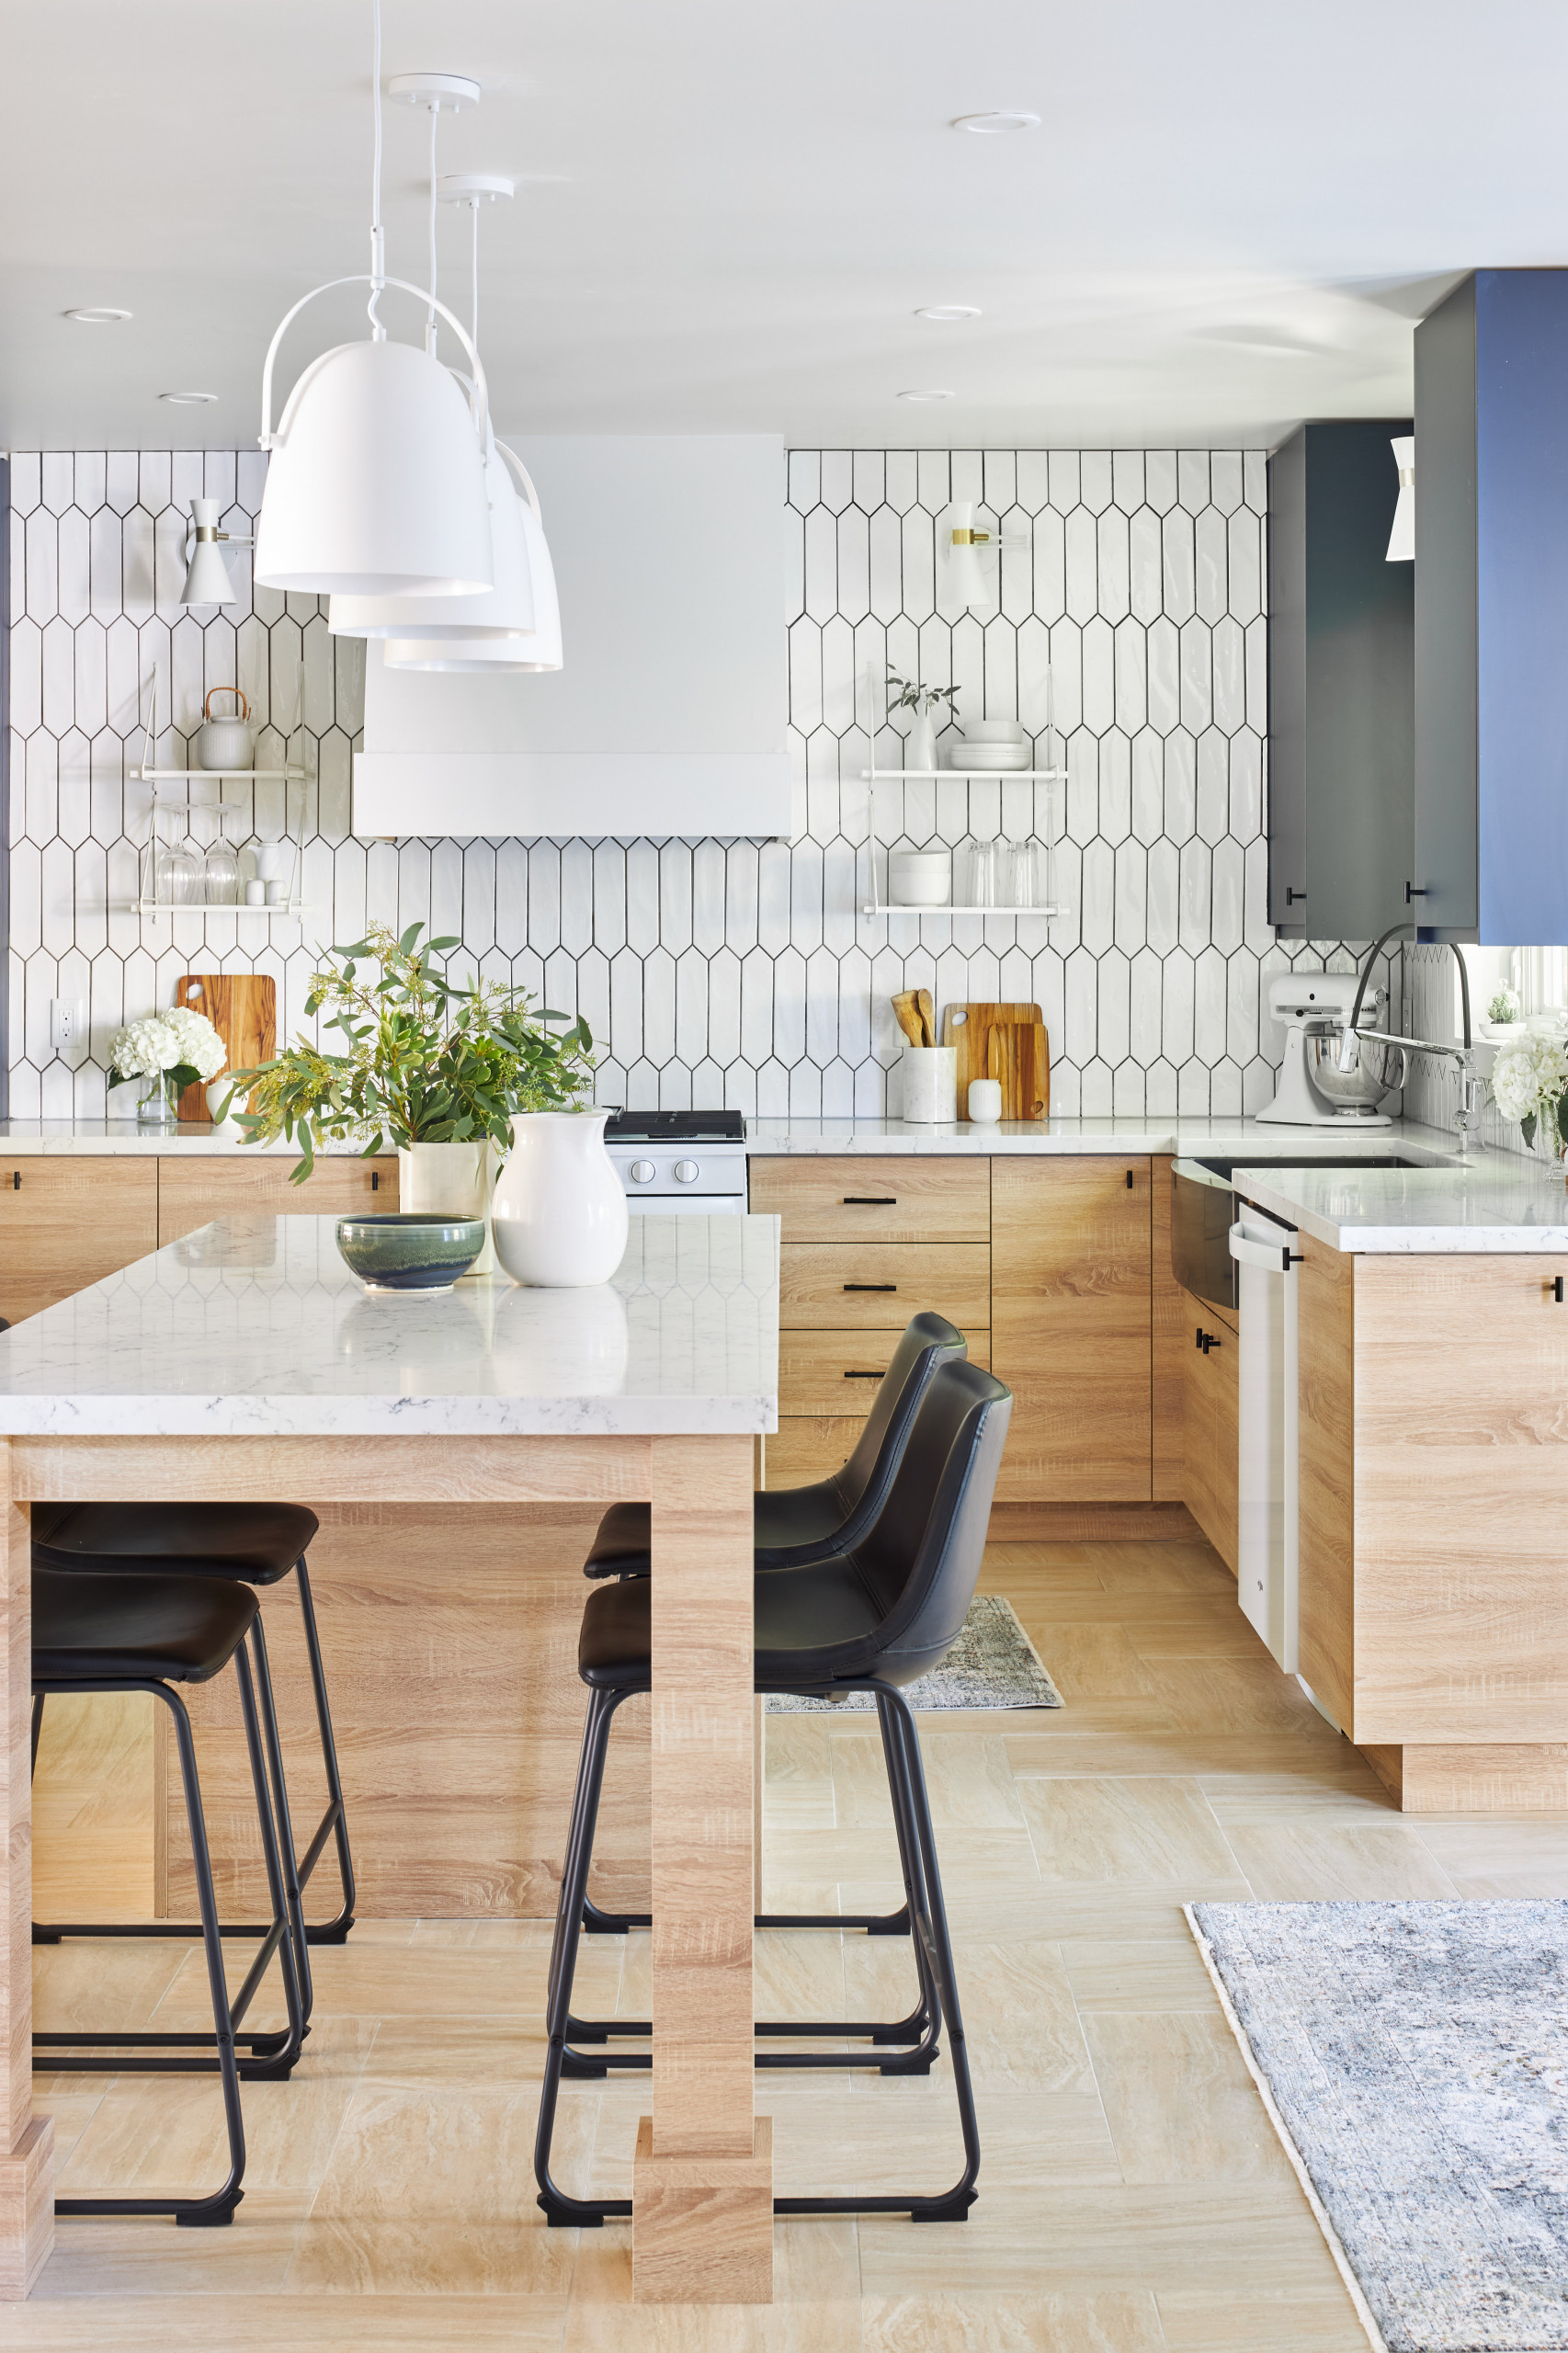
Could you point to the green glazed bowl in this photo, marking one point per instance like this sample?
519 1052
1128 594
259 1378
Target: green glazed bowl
410 1251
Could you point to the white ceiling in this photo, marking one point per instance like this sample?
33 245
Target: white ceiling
1231 216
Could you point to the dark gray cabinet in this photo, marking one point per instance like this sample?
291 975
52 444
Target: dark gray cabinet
1492 611
1341 684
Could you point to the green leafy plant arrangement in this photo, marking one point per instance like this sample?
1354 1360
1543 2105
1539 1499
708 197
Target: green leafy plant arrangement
911 695
427 1061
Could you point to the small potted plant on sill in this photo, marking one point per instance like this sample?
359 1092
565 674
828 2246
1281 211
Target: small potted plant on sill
450 1076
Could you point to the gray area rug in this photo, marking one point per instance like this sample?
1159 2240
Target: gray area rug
992 1665
1414 2058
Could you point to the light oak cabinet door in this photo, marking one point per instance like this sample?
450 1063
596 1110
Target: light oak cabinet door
1070 1245
67 1223
1211 1468
840 1373
190 1192
878 1286
897 1199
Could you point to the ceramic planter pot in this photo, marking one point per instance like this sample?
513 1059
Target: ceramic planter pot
559 1213
450 1180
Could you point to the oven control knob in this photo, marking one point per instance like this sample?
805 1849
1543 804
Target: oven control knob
687 1172
642 1172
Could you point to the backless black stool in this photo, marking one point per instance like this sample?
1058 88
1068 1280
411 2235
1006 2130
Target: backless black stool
796 1525
871 1621
145 1634
260 1544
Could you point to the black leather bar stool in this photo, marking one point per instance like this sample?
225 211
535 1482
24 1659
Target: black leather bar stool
145 1634
872 1620
796 1525
260 1544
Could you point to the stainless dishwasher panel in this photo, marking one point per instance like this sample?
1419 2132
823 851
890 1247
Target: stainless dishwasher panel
1202 1209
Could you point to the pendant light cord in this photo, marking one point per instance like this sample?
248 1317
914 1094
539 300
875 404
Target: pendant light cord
378 238
473 215
430 316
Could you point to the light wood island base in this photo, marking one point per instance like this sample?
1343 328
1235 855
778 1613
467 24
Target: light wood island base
702 2229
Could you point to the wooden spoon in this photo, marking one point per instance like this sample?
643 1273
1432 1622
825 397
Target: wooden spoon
907 1013
927 1013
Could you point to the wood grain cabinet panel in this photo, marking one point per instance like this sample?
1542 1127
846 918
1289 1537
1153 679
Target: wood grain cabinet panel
1171 1339
835 1373
852 1199
67 1223
809 1446
1071 1327
878 1286
1209 1464
191 1192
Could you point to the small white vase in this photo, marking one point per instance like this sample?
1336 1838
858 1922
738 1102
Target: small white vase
450 1180
920 744
559 1211
217 1095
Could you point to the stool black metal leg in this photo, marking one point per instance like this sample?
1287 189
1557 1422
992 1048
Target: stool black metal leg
288 1932
293 1892
560 2210
335 1821
219 2207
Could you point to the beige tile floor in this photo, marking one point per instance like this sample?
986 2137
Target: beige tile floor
1132 2195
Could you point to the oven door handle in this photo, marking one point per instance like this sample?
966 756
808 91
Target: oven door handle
1273 1257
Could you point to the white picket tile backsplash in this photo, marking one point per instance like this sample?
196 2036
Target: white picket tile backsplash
740 972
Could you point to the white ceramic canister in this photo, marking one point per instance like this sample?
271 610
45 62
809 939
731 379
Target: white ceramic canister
558 1214
218 1093
450 1180
931 1084
984 1101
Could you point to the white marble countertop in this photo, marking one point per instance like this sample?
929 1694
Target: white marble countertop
769 1138
255 1325
1491 1201
40 1139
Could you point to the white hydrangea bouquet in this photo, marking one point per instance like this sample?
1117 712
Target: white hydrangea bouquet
1529 1083
168 1051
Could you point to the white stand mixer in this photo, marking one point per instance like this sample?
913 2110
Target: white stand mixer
1313 1006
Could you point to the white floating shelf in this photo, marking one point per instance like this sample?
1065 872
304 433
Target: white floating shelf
295 908
219 776
875 907
969 776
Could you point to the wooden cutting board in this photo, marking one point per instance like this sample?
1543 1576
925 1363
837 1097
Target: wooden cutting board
964 1028
1017 1055
242 1008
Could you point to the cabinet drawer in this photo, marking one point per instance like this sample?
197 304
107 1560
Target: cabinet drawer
878 1286
67 1223
839 1372
190 1193
875 1201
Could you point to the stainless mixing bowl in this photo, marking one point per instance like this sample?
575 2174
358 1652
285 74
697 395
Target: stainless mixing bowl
1375 1069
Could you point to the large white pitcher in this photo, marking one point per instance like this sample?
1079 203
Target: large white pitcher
559 1213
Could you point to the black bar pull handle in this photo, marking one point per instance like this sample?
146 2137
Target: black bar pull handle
1413 891
871 1200
864 1376
16 1180
870 1286
1197 1337
375 1180
1557 1290
1129 1180
1291 897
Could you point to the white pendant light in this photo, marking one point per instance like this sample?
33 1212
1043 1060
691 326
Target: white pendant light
1402 538
539 649
206 578
376 485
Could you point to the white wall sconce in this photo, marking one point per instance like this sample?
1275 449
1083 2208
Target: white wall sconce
972 580
1402 538
207 576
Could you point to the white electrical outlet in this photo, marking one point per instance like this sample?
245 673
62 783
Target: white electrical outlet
67 1023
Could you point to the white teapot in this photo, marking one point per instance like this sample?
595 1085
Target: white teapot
226 742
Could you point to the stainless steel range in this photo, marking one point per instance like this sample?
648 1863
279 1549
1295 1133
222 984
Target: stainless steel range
673 1161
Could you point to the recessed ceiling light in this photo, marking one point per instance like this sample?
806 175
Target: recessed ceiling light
988 125
947 311
926 396
98 318
187 400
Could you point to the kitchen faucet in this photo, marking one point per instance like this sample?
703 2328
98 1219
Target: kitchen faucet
1473 1086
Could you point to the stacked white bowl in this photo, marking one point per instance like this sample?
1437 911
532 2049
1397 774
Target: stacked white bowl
990 745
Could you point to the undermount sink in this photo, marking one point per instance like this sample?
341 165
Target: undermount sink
1226 1166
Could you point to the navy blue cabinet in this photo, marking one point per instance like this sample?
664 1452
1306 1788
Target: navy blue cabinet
1492 611
1341 684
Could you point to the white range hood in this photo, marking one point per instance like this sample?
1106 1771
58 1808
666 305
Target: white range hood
668 716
